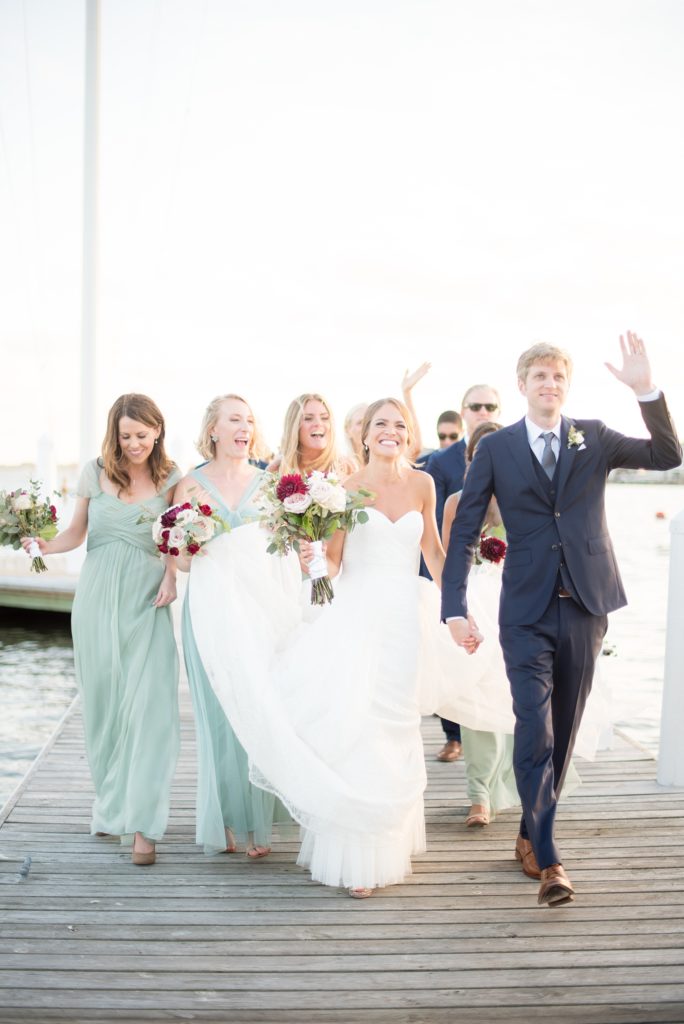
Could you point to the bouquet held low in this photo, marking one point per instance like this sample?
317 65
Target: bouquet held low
24 513
184 529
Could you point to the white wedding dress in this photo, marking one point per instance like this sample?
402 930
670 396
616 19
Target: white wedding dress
329 710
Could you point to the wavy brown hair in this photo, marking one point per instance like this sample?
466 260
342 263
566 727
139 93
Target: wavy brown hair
144 410
373 410
480 431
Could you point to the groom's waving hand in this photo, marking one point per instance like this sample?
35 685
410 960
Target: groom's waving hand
548 473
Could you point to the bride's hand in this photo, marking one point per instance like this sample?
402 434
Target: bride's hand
306 554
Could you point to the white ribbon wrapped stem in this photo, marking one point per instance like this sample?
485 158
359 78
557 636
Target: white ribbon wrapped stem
318 566
33 550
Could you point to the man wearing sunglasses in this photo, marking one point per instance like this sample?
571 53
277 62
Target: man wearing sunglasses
481 404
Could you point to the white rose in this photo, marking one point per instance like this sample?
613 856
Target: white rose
21 502
329 496
157 532
176 538
185 516
337 501
297 502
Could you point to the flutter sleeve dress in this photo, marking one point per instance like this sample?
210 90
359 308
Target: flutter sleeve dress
126 663
225 796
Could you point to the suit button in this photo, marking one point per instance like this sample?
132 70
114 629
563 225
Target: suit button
554 547
557 515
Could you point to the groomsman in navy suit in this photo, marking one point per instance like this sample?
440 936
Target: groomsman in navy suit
481 404
560 580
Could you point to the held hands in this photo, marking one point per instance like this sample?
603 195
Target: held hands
466 634
636 369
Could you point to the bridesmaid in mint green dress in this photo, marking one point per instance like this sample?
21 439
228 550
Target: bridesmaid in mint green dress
488 756
229 807
125 653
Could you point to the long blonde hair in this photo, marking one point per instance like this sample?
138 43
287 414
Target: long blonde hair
290 451
143 410
373 409
204 444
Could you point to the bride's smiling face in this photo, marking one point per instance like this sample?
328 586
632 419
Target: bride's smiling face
234 428
387 435
314 427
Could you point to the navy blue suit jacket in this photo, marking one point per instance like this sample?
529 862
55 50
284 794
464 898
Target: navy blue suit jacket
541 528
446 466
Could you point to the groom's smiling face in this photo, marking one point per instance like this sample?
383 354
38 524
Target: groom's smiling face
545 387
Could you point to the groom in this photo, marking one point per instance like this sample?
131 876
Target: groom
560 579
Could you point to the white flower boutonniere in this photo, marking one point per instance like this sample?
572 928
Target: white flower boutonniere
576 439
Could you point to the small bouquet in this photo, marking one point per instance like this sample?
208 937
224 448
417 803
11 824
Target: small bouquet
184 529
490 549
312 506
24 513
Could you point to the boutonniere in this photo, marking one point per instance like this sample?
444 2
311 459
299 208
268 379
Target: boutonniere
576 439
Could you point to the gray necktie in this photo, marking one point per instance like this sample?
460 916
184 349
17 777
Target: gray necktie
548 459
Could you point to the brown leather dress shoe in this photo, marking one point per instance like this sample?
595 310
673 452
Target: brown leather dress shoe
525 854
451 751
555 888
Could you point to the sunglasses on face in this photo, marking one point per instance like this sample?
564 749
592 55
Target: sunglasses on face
451 437
476 406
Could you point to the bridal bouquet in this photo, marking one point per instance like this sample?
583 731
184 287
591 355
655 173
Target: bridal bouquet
184 529
310 506
24 513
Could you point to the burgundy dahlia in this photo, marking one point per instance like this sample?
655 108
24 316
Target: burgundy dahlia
290 484
492 549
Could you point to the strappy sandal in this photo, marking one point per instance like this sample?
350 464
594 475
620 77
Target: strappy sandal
478 817
255 852
360 893
231 846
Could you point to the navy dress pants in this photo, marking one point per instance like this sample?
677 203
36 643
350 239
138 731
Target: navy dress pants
550 667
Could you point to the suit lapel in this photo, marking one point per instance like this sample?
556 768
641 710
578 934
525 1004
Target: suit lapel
566 457
520 449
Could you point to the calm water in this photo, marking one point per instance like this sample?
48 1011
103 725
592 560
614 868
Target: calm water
37 671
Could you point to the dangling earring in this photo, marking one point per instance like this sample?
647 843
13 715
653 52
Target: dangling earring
365 447
213 438
156 440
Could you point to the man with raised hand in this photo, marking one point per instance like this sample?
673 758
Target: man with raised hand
560 580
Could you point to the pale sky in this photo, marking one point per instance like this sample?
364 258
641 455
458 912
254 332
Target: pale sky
316 195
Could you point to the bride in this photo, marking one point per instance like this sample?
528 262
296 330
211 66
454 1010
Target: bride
329 712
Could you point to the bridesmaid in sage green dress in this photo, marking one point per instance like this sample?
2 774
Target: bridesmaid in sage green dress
488 756
125 652
229 807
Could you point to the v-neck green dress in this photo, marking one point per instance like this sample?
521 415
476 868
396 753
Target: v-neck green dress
225 796
126 664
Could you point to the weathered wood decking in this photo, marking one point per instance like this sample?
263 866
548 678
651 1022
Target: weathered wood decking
89 937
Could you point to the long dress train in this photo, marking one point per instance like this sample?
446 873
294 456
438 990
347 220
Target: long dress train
329 713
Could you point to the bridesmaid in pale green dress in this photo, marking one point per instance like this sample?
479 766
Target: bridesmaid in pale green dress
488 756
229 807
124 647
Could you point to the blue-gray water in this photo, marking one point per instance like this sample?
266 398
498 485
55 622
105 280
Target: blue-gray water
36 659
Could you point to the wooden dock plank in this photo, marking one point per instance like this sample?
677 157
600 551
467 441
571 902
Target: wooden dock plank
89 937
